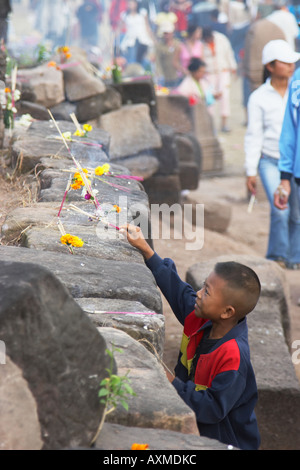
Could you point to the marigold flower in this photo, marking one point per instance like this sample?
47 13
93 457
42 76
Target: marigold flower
72 240
100 170
51 63
87 127
106 167
79 133
78 180
117 208
7 90
136 446
76 185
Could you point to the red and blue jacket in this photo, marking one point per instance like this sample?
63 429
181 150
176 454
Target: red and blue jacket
223 391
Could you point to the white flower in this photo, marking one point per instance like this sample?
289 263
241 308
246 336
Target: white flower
17 95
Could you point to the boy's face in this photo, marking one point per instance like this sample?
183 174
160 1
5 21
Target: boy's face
211 299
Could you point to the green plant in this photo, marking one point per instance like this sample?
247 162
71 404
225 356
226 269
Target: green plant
42 53
114 389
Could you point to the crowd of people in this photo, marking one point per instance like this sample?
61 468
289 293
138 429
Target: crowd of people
227 36
164 36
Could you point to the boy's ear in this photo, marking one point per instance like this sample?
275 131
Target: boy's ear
228 312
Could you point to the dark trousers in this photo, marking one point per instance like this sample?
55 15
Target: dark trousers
3 29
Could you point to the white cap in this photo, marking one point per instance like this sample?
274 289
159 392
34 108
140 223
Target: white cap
279 50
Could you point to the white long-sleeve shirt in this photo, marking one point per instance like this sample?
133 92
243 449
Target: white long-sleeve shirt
266 109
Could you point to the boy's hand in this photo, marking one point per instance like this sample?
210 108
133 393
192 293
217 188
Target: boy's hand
169 375
136 238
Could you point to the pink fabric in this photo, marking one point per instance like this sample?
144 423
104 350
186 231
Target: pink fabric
187 53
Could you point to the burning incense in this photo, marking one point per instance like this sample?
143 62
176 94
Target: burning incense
251 203
78 166
105 222
65 195
74 119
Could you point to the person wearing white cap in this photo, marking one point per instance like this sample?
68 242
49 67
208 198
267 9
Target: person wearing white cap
166 49
266 108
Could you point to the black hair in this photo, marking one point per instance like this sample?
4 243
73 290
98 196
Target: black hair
138 6
195 64
243 279
192 27
207 33
214 13
266 71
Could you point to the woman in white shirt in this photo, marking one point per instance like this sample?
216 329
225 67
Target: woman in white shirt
138 36
266 107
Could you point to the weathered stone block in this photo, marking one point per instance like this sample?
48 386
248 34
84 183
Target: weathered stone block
175 111
163 189
217 215
19 425
156 404
42 140
157 439
89 84
131 130
59 351
168 153
91 277
94 106
45 84
139 90
131 317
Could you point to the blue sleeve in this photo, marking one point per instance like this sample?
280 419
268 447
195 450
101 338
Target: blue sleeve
288 137
213 404
180 295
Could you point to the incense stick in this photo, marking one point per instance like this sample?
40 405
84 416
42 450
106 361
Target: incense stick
78 166
117 312
74 119
251 203
65 195
105 222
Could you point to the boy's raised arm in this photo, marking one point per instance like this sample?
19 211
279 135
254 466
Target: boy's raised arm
178 293
136 238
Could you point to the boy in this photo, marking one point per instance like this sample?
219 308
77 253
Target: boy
214 375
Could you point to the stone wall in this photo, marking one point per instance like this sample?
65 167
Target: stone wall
59 311
179 130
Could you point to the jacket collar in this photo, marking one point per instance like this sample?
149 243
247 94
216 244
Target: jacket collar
239 330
